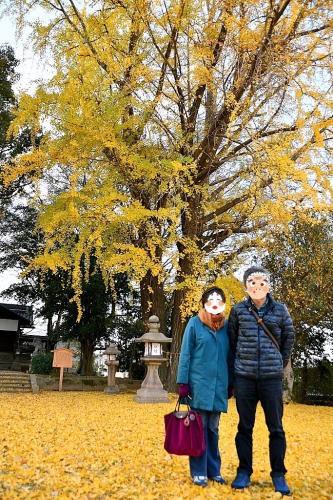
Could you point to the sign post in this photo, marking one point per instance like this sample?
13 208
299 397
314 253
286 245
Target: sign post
63 358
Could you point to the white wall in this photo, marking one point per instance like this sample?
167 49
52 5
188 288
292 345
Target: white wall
10 325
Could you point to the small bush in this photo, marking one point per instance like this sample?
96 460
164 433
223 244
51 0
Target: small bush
42 363
55 372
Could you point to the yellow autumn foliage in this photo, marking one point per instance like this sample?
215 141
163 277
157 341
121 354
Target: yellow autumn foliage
174 134
91 446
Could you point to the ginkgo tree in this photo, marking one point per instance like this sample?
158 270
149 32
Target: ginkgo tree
187 127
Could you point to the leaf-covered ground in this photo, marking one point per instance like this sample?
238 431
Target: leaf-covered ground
92 446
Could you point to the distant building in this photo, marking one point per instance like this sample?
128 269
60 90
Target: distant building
14 351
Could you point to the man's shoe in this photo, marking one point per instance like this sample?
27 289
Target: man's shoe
217 479
241 481
200 480
280 485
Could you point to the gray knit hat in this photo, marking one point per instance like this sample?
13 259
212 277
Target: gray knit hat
255 270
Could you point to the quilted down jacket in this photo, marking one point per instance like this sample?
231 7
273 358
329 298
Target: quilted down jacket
256 355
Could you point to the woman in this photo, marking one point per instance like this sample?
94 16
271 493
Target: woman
205 373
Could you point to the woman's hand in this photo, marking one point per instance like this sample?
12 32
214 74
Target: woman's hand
184 390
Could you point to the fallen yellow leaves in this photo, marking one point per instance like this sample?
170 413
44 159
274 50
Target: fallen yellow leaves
90 446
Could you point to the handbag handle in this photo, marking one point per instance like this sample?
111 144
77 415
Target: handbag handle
260 321
177 408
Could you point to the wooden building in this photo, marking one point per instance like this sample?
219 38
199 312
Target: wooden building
14 319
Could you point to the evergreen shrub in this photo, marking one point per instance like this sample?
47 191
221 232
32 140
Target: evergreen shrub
138 371
41 364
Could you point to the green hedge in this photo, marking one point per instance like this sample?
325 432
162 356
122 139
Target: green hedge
41 364
313 381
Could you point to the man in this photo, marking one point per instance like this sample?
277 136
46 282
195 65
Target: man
259 368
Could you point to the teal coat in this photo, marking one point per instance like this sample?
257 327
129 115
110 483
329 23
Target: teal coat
206 364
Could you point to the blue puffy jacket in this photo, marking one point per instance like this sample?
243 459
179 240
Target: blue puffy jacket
256 355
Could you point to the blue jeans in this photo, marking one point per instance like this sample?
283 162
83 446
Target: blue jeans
209 463
269 393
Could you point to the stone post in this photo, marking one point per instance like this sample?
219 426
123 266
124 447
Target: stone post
111 363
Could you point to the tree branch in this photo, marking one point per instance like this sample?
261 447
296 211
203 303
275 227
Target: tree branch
233 203
201 89
262 134
83 35
210 143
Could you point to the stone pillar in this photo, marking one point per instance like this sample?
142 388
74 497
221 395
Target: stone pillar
111 362
112 388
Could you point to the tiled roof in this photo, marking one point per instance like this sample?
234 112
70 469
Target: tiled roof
16 311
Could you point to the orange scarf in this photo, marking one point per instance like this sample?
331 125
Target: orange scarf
213 321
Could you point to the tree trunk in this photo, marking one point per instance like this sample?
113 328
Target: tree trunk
178 323
210 107
50 330
153 300
49 344
87 350
191 227
177 332
153 303
133 349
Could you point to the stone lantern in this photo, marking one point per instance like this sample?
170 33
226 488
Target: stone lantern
111 362
151 388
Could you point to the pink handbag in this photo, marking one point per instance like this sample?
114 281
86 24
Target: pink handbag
184 432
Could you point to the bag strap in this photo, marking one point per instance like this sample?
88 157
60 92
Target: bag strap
177 408
261 323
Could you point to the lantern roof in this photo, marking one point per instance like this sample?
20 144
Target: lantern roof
153 335
112 349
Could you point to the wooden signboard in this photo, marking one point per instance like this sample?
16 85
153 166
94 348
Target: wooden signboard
62 358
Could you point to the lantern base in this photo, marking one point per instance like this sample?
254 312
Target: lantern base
145 396
113 389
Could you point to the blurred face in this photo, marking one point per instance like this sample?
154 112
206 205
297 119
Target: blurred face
257 286
214 303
